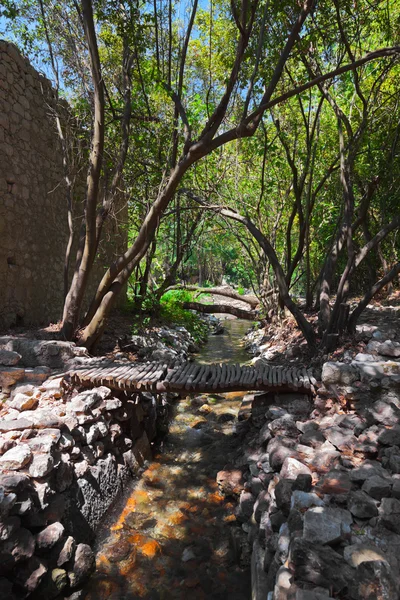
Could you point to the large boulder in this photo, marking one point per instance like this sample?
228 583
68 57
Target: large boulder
339 373
50 353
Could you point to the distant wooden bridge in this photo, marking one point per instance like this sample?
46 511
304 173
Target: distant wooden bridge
193 377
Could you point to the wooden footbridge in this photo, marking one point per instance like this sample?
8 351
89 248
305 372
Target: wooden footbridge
193 377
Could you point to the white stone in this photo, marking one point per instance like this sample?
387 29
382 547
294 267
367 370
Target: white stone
41 465
292 467
16 458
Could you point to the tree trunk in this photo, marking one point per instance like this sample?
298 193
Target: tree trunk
228 293
73 301
388 278
240 313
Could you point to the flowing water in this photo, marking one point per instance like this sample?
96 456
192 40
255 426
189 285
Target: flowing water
170 538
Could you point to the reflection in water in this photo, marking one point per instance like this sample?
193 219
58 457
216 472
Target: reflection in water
171 538
227 347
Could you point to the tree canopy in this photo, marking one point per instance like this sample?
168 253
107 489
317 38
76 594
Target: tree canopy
252 141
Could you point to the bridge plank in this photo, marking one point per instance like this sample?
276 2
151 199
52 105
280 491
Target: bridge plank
193 376
198 377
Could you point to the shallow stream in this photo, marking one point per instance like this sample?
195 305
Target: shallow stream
170 537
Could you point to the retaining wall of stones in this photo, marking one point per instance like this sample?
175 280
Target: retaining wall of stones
33 206
318 484
64 458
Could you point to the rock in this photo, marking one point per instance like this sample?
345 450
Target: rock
8 526
205 409
359 553
326 457
284 426
9 377
84 563
19 546
299 407
261 505
41 465
45 419
22 402
303 482
277 520
14 482
342 439
339 373
389 514
368 469
142 449
81 468
188 554
326 525
45 441
112 404
377 487
319 565
389 348
49 536
246 504
383 413
390 437
291 468
283 494
66 551
374 581
6 444
131 462
302 500
396 489
295 522
335 482
53 387
16 458
7 503
283 584
30 573
259 585
230 482
8 358
51 353
37 375
361 357
66 441
313 438
59 578
14 425
361 505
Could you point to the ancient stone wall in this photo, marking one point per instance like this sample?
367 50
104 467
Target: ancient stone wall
33 207
64 458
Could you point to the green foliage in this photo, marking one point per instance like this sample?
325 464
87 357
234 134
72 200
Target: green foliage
171 312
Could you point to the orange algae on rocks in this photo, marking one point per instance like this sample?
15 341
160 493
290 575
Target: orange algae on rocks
151 548
215 498
176 518
142 497
127 565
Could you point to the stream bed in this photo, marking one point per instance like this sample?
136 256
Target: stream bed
171 536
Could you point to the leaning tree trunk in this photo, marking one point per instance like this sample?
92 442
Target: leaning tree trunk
210 309
74 299
388 278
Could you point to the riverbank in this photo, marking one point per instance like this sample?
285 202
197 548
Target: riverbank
238 459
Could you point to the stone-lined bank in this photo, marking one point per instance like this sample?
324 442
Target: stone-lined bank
318 484
65 456
64 459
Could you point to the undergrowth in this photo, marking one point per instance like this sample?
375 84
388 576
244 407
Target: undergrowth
172 313
169 311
